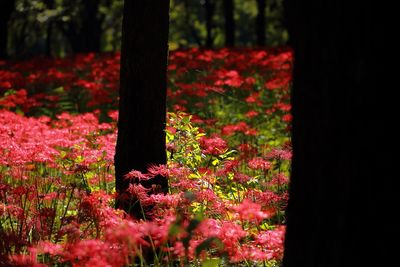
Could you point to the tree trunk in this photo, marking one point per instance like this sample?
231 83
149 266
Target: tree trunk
342 192
190 28
49 30
6 9
84 35
91 27
260 22
229 23
209 8
142 106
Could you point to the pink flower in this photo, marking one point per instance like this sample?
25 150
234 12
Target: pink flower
136 174
251 114
160 169
259 164
250 211
287 117
272 241
253 98
214 145
241 178
280 154
138 191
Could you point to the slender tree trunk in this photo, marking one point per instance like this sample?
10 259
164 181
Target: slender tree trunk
142 106
229 23
342 191
260 22
209 8
49 34
49 31
191 30
6 9
85 36
90 33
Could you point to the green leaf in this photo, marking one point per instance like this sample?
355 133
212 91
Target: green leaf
215 162
215 262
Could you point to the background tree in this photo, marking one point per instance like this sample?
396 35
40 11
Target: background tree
84 35
209 9
342 192
142 106
6 9
260 22
49 5
229 6
65 27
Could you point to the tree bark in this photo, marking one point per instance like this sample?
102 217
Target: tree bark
84 35
142 105
209 8
49 30
91 27
230 26
6 9
190 28
342 191
260 22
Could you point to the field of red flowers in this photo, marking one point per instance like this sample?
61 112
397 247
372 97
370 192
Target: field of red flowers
228 145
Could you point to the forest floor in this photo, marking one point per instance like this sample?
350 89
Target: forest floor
228 146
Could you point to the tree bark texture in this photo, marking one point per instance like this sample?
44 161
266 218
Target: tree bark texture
142 104
229 7
342 192
260 22
6 9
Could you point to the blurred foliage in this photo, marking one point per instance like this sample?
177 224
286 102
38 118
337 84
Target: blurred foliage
46 27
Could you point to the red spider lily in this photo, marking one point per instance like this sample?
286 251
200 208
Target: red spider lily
254 98
229 233
252 113
259 164
47 161
160 169
137 174
287 117
250 211
241 178
278 180
280 154
268 199
229 166
140 193
283 106
213 146
282 81
272 241
242 126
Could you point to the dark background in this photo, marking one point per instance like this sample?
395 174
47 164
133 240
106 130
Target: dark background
63 27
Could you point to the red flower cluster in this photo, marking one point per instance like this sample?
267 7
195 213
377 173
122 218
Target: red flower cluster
228 163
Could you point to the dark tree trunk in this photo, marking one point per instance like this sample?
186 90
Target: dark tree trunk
84 36
342 191
90 33
229 23
191 30
142 107
49 35
260 22
6 9
209 8
49 31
